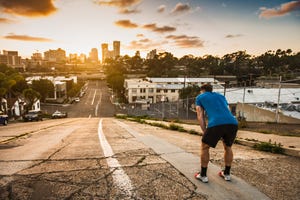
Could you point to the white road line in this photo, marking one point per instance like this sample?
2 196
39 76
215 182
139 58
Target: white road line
94 97
120 178
98 103
96 110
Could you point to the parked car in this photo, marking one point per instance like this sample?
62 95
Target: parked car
33 115
3 118
77 99
59 114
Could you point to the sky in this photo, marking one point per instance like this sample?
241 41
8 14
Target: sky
183 27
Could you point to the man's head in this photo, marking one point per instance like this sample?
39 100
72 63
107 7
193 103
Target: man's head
206 88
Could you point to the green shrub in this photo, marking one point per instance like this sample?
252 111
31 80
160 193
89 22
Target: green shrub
159 125
121 116
269 147
176 127
193 132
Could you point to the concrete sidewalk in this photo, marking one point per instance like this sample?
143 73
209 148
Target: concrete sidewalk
290 144
188 164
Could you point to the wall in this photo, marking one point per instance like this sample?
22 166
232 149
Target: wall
255 114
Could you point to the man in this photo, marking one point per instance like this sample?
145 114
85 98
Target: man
221 125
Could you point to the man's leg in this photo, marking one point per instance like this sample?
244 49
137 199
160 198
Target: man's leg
228 158
204 158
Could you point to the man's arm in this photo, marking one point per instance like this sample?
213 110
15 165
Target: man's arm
201 118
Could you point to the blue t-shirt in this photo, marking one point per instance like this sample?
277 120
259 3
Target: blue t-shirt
216 108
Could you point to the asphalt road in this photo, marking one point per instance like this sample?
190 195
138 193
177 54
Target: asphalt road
91 155
94 103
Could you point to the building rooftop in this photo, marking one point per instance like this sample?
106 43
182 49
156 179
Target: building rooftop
182 80
261 95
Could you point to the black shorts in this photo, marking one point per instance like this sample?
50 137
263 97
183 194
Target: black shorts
226 132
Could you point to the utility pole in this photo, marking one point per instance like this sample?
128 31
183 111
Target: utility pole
278 100
225 86
243 99
187 107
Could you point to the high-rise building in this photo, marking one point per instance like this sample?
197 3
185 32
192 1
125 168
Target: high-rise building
10 58
58 55
116 45
110 54
82 58
73 57
105 51
37 58
94 55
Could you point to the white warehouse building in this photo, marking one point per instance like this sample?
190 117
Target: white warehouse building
153 90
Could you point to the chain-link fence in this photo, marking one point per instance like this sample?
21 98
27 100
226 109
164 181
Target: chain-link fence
183 109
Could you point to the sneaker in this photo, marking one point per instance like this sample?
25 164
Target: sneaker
198 176
225 176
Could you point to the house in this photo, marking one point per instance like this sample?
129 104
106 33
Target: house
154 90
16 107
61 85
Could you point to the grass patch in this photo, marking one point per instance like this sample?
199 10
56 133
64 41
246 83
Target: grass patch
237 141
193 132
176 127
171 126
157 124
269 147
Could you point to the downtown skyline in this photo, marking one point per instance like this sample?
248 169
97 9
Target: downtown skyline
181 27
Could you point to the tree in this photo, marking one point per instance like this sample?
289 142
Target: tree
75 89
161 64
44 87
211 65
193 66
11 83
31 96
134 63
190 91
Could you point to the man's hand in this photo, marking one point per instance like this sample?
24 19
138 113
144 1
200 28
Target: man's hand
201 118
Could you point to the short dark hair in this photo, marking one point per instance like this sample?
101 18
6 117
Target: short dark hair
206 87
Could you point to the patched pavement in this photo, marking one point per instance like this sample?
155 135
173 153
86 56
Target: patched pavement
76 168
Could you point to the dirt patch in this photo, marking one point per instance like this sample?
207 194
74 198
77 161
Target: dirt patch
277 176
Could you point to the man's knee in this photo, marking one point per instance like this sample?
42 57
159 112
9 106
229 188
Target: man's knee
204 147
226 147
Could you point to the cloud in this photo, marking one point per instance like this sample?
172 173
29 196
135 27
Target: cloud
129 11
140 35
284 9
143 44
233 36
126 24
119 3
5 20
180 8
163 29
161 8
29 8
26 38
123 5
184 41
